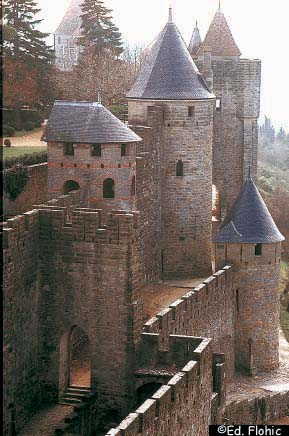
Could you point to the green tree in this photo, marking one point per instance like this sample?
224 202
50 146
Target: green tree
98 32
25 53
22 40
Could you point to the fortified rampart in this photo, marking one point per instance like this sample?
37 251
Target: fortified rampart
206 311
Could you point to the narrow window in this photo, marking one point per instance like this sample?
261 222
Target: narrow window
108 188
123 150
258 250
180 168
218 104
237 302
68 149
133 186
96 150
191 111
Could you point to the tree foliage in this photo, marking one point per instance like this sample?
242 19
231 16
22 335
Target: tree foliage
22 40
103 72
14 180
98 32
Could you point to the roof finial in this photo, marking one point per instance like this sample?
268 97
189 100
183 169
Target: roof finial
170 14
196 23
98 97
219 4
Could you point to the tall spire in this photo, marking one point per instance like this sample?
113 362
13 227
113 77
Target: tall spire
196 40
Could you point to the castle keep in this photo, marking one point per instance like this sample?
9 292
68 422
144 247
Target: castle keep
129 304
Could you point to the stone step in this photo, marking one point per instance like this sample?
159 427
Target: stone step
82 388
71 401
76 394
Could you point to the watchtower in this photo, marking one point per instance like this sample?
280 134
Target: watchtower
251 241
236 83
89 148
170 79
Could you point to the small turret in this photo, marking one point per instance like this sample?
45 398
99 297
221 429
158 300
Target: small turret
251 241
196 41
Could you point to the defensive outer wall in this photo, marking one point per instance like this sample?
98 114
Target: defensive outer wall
60 271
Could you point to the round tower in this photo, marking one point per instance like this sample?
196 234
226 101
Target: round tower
250 240
170 79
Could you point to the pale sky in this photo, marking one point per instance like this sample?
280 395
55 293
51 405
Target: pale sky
260 28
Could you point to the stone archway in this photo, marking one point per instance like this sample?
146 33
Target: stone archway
75 360
70 185
80 360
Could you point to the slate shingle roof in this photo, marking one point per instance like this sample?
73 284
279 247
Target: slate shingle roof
168 72
84 122
220 38
249 220
71 21
195 42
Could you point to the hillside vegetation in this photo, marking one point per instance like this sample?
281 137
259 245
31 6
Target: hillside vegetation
273 180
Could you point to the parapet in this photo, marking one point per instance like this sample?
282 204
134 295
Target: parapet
170 397
63 219
182 311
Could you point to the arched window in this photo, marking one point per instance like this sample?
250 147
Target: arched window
108 188
180 168
70 185
133 187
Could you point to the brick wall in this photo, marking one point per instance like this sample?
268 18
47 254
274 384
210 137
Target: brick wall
34 192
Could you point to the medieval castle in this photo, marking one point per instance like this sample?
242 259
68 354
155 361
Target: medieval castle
130 302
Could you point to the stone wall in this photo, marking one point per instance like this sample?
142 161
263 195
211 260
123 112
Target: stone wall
185 134
237 84
205 311
34 192
22 379
256 303
262 410
176 406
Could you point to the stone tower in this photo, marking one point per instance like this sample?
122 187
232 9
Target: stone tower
251 241
65 37
170 79
236 83
91 149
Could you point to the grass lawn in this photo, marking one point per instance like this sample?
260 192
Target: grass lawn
284 315
20 151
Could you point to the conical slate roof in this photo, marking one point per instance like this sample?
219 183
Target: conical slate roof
84 122
196 41
168 72
249 220
220 38
71 21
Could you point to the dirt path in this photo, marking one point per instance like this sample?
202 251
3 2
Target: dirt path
29 140
45 420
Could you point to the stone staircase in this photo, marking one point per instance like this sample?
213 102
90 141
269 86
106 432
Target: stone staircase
75 395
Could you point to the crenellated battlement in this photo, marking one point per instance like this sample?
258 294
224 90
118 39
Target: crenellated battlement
191 354
63 219
194 304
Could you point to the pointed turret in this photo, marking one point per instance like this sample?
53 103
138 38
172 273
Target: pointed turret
220 38
196 41
249 220
168 72
70 23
